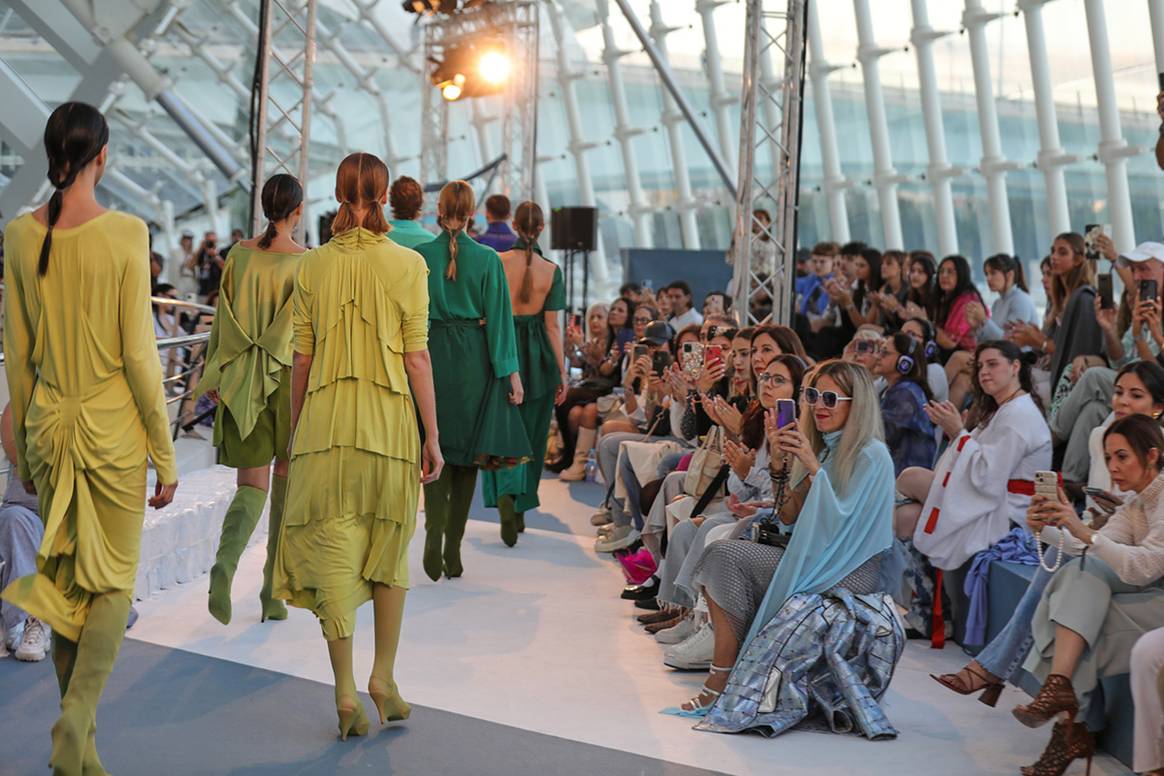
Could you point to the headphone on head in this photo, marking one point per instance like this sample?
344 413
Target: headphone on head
906 361
930 350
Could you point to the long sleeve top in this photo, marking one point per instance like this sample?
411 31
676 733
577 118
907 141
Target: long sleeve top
969 506
909 433
1014 305
1077 332
479 292
1133 538
957 326
757 486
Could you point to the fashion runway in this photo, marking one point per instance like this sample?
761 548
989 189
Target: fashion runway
529 664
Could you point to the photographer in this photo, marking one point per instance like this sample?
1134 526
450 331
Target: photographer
208 266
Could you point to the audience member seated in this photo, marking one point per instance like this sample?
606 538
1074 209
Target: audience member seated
683 314
21 531
1092 376
1073 330
921 301
1076 641
856 302
842 528
888 301
909 432
922 332
1139 391
749 491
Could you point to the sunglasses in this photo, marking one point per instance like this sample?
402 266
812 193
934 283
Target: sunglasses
829 398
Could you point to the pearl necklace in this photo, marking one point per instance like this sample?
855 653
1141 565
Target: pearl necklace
1059 556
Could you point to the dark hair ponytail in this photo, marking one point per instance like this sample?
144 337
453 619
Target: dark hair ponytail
529 223
282 193
984 405
1004 263
73 137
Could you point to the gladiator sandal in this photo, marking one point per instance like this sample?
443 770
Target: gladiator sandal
1056 696
1069 742
698 706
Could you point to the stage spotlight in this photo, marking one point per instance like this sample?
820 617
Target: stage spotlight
494 67
450 91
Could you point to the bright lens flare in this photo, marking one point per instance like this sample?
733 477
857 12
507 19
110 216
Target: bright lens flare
450 91
494 67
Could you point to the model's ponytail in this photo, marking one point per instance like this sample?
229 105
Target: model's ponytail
73 137
454 209
282 194
529 222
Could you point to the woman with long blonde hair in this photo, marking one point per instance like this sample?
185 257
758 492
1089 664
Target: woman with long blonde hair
475 366
361 375
537 294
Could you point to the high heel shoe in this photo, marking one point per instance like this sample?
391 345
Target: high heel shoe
352 720
1069 742
389 705
1056 696
970 680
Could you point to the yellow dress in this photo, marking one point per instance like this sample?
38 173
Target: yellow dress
87 406
361 303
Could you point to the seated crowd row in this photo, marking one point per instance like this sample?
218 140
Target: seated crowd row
752 519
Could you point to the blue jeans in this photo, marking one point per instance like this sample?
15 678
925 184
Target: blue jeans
1006 651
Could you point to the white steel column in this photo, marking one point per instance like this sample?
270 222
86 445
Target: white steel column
1113 149
939 172
578 146
993 165
718 96
671 119
623 131
1156 15
833 184
884 176
1052 158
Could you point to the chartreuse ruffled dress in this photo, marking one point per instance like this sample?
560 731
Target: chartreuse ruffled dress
360 304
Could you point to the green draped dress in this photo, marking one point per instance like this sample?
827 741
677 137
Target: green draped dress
540 376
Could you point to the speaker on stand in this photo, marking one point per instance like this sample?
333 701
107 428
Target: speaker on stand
574 230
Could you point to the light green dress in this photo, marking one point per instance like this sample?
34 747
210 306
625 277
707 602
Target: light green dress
360 303
248 360
87 407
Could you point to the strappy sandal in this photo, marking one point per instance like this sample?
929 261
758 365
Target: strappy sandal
698 708
980 680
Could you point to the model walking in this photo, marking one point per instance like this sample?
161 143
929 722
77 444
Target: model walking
248 369
87 408
360 335
474 358
537 294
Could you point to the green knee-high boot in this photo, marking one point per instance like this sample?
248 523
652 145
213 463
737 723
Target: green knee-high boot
95 653
436 512
273 609
508 520
464 482
64 655
237 526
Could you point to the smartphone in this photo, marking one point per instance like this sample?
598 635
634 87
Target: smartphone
660 361
1094 492
1047 484
713 353
576 319
866 346
692 357
1090 232
1160 80
1106 298
1149 290
640 351
785 412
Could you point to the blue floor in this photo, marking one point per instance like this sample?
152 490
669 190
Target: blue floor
171 712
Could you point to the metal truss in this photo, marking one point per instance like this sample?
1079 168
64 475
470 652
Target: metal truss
780 34
515 24
284 96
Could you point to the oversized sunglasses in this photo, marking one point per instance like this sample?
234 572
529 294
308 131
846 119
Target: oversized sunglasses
828 398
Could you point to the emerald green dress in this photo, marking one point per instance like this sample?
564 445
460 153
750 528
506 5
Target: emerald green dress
473 350
540 376
361 303
248 359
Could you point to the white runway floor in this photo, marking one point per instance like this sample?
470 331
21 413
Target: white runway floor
537 638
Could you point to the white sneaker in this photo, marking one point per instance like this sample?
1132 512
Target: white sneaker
693 654
12 638
34 645
680 633
620 538
601 517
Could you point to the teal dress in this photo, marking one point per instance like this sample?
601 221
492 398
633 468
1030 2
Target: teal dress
540 376
473 350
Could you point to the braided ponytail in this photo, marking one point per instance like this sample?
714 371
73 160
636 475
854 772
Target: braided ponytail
529 222
455 206
73 137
